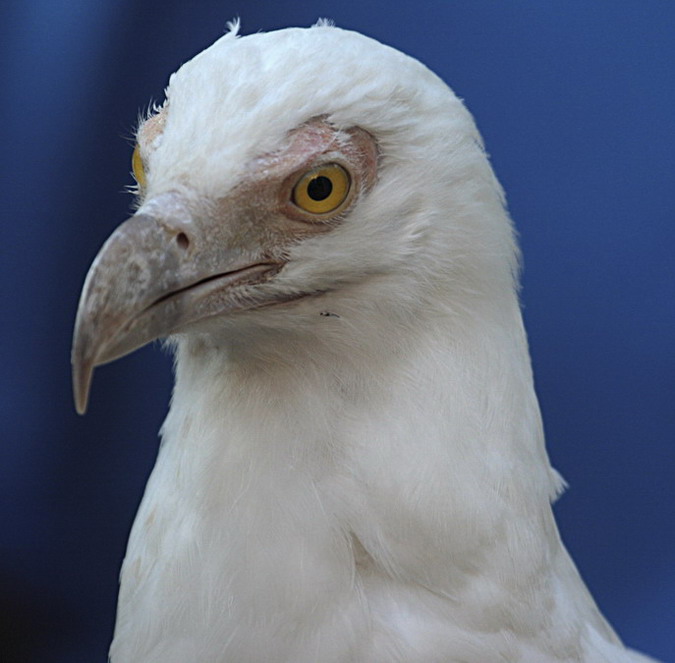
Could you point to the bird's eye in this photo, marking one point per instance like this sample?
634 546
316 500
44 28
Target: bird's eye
137 166
322 190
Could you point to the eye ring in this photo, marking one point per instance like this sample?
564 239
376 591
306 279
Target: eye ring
137 167
322 190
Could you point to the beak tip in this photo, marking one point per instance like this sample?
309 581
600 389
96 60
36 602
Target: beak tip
81 382
81 407
83 369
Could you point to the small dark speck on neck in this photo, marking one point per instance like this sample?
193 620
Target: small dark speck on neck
328 314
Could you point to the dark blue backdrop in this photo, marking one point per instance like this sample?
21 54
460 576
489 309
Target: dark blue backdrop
576 101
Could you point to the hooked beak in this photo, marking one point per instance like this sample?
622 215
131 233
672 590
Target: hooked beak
150 279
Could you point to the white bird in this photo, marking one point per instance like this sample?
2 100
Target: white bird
353 466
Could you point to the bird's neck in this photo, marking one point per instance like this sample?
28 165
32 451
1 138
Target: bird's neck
411 471
424 430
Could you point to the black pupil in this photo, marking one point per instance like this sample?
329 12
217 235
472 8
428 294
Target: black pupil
319 188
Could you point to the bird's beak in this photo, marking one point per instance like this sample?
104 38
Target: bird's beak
153 276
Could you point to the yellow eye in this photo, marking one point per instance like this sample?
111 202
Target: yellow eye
322 190
137 166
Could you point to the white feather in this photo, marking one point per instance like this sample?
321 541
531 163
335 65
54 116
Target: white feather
371 487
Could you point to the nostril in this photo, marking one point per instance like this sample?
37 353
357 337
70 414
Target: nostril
182 240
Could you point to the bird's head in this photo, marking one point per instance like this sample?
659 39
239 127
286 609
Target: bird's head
288 176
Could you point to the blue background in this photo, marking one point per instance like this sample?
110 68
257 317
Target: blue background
576 101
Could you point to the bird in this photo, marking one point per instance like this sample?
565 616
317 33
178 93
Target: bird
353 466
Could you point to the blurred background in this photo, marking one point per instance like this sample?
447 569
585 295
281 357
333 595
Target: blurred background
576 101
